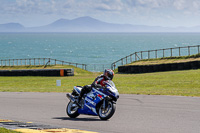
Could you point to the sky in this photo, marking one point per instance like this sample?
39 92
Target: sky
166 13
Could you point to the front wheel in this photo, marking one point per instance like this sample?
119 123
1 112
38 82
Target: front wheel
107 113
72 110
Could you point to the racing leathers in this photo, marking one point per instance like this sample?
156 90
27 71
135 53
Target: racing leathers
98 82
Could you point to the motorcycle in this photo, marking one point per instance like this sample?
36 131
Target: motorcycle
98 102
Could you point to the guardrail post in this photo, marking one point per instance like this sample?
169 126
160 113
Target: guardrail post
189 50
135 57
131 58
156 54
171 51
148 54
49 61
163 52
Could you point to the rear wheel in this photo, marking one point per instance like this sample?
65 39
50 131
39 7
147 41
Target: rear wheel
72 110
107 113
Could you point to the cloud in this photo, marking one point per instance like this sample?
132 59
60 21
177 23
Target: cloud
121 11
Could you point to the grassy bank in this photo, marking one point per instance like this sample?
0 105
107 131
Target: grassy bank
183 83
77 71
166 60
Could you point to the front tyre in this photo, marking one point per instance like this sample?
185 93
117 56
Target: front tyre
72 110
107 113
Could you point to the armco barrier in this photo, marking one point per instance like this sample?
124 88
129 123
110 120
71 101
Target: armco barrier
159 67
38 72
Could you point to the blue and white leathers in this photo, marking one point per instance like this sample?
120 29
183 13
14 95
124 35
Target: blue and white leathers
99 102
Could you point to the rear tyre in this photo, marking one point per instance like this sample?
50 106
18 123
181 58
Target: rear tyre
72 110
105 114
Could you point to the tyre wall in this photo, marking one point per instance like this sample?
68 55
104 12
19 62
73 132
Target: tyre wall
38 72
159 67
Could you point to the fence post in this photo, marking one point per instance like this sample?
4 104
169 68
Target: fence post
141 55
1 62
17 62
171 51
43 61
25 62
179 51
126 59
39 61
5 62
13 62
163 52
131 58
21 62
34 61
198 49
55 62
9 62
156 54
148 54
122 60
189 50
30 62
49 61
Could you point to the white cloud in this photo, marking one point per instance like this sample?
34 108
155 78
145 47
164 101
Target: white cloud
153 12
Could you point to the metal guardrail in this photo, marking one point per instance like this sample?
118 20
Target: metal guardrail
158 53
150 54
38 62
48 61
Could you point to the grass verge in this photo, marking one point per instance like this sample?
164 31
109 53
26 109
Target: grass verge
4 130
182 83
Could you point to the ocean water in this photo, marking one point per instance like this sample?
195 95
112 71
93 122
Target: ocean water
88 48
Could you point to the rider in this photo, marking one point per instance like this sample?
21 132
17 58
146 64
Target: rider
98 82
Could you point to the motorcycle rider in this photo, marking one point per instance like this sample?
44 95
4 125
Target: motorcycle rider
98 82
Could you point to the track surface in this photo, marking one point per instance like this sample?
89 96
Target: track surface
134 113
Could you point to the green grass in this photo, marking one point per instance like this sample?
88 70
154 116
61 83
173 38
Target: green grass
182 83
4 130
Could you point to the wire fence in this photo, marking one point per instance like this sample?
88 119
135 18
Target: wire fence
158 53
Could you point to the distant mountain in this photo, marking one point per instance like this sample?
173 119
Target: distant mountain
11 27
88 24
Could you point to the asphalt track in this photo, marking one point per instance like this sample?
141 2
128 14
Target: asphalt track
134 113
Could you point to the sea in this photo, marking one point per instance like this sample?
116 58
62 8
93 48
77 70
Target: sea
89 48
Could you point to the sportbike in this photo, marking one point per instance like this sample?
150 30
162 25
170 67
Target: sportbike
98 102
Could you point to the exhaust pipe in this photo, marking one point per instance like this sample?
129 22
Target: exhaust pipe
70 97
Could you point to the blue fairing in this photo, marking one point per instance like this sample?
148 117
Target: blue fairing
96 96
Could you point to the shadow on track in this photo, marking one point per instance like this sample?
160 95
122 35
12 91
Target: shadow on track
78 119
